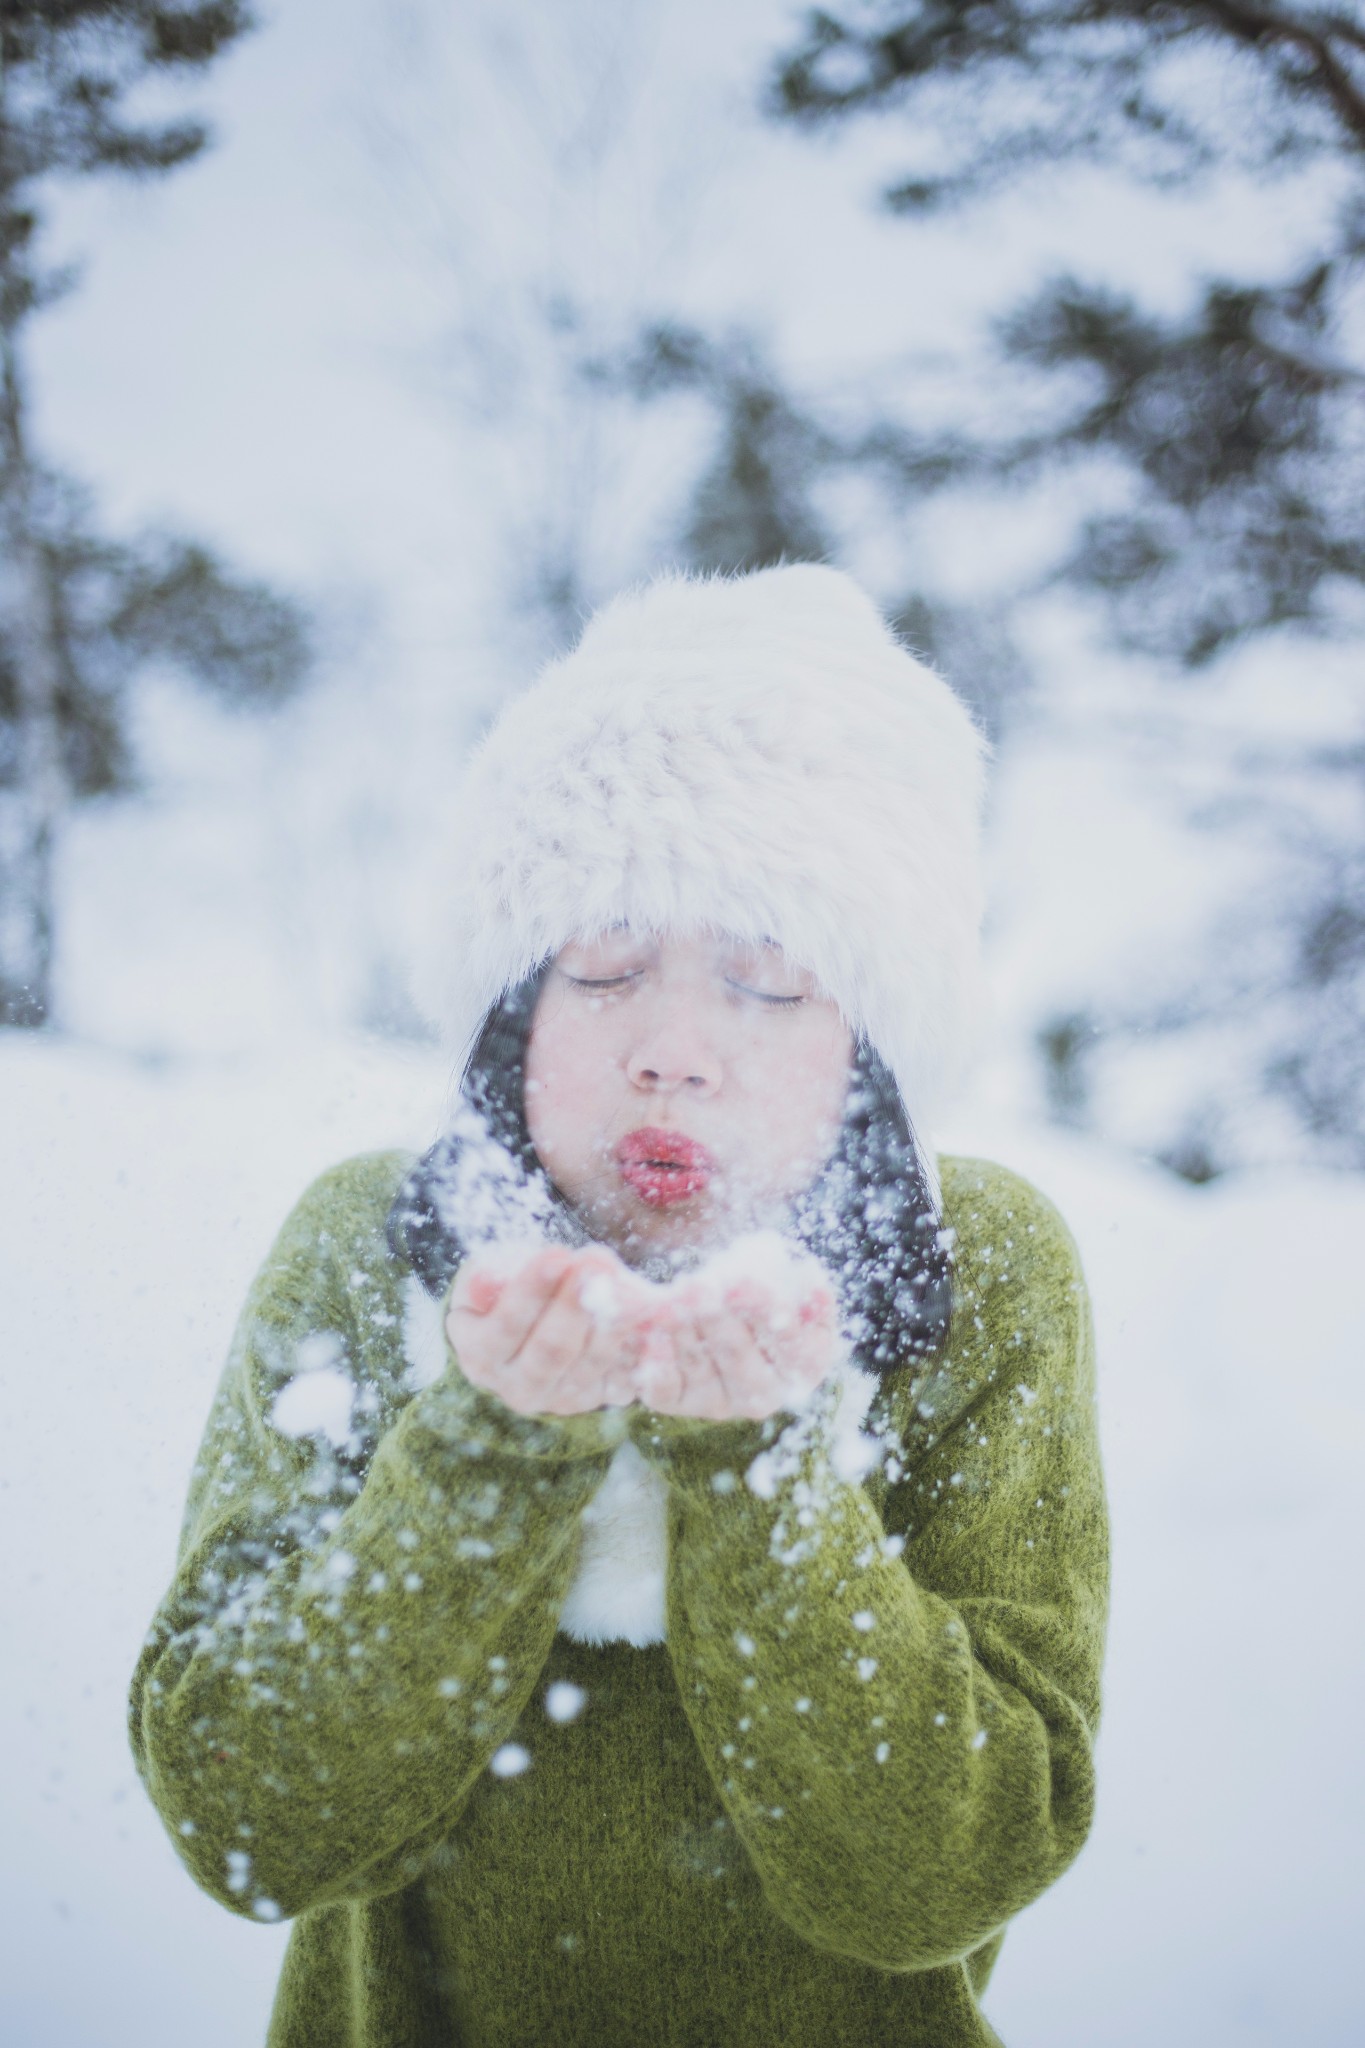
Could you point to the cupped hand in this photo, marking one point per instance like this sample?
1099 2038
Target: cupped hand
532 1338
573 1331
748 1357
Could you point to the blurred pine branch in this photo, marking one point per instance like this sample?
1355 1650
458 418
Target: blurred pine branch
80 614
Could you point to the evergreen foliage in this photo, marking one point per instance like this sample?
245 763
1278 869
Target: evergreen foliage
80 614
1239 423
751 506
1236 421
1096 80
756 500
1237 428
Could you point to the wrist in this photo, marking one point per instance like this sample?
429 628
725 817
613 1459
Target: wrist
764 1455
690 1451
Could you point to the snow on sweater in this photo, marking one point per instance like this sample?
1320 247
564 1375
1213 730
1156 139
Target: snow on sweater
380 1696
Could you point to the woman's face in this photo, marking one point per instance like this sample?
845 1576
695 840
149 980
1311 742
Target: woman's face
681 1090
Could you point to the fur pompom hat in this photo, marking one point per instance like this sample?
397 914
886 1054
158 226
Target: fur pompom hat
756 755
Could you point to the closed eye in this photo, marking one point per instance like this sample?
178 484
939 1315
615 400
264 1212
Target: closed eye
773 1002
604 981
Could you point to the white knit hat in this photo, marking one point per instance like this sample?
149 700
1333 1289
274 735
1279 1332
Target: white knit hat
755 755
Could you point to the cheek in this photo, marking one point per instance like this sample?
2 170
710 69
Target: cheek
570 1085
799 1099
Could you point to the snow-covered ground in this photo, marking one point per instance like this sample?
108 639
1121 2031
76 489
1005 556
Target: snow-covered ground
1216 1902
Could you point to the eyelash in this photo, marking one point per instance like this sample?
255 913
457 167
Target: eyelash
773 1002
616 981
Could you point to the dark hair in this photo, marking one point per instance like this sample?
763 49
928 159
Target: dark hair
870 1217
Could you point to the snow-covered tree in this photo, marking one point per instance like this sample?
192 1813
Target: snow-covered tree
1236 420
1229 434
756 496
80 614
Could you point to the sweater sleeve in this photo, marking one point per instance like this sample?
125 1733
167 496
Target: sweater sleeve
894 1681
357 1622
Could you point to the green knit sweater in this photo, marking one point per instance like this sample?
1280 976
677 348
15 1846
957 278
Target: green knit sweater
805 1818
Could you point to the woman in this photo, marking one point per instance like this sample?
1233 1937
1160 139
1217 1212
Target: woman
645 1575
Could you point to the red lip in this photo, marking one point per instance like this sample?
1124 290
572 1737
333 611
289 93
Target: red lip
663 1167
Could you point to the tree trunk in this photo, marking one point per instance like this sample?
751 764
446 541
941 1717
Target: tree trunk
25 911
33 800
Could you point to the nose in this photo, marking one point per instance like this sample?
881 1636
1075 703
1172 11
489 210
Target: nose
673 1059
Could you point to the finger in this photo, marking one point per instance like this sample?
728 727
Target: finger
614 1354
617 1382
805 1358
523 1300
569 1352
739 1338
550 1361
610 1292
481 1282
702 1394
585 1343
482 1292
753 1386
769 1319
770 1322
658 1374
485 1342
817 1307
725 1376
773 1319
619 1304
